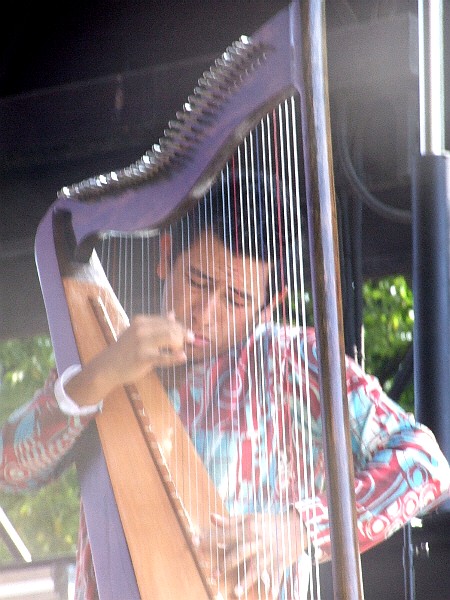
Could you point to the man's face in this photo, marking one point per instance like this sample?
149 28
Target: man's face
216 294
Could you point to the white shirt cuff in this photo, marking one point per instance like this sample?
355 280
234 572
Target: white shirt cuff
66 404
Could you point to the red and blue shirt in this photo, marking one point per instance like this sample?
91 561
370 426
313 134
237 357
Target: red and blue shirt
243 412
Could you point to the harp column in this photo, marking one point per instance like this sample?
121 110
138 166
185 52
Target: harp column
328 317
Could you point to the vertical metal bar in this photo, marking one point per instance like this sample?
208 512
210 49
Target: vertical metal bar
408 563
431 235
431 77
431 256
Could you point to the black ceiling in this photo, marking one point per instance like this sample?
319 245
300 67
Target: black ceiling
62 68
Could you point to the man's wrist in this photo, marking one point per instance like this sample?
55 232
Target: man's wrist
67 405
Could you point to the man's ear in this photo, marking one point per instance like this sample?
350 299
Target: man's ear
165 251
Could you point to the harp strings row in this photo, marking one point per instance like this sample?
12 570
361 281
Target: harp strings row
256 204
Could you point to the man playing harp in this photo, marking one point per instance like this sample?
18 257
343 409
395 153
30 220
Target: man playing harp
241 370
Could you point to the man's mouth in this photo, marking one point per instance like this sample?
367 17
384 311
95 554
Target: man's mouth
200 341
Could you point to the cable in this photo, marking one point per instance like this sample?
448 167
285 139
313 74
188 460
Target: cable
358 187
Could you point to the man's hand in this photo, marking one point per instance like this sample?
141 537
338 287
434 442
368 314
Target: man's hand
149 342
254 551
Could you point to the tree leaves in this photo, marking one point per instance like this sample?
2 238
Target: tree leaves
388 330
47 519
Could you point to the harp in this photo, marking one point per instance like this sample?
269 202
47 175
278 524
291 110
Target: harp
138 537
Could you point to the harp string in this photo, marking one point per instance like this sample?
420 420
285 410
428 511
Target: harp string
257 357
283 179
212 352
287 422
302 402
266 165
246 170
267 315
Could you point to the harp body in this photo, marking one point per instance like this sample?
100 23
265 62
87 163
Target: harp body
157 560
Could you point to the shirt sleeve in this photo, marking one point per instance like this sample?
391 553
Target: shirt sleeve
66 404
400 471
35 438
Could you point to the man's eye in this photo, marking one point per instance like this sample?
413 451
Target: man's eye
238 302
197 283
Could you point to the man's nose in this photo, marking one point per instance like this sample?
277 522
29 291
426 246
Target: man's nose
206 307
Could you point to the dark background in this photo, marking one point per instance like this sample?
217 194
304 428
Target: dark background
88 87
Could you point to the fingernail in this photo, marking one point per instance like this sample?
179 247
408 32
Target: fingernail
216 518
265 578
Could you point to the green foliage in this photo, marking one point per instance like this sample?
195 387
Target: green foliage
388 330
47 519
24 366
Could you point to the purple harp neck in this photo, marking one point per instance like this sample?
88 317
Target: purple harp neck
251 78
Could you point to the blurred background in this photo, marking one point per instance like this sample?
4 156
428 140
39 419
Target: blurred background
88 87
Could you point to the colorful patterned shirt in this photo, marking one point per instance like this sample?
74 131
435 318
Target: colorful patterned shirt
237 413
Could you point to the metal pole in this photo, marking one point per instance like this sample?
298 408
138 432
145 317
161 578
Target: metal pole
431 255
12 539
431 235
431 77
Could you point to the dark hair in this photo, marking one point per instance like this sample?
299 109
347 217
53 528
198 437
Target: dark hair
251 215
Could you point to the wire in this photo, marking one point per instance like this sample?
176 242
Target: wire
358 187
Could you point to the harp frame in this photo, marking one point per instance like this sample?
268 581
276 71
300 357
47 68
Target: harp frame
273 67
